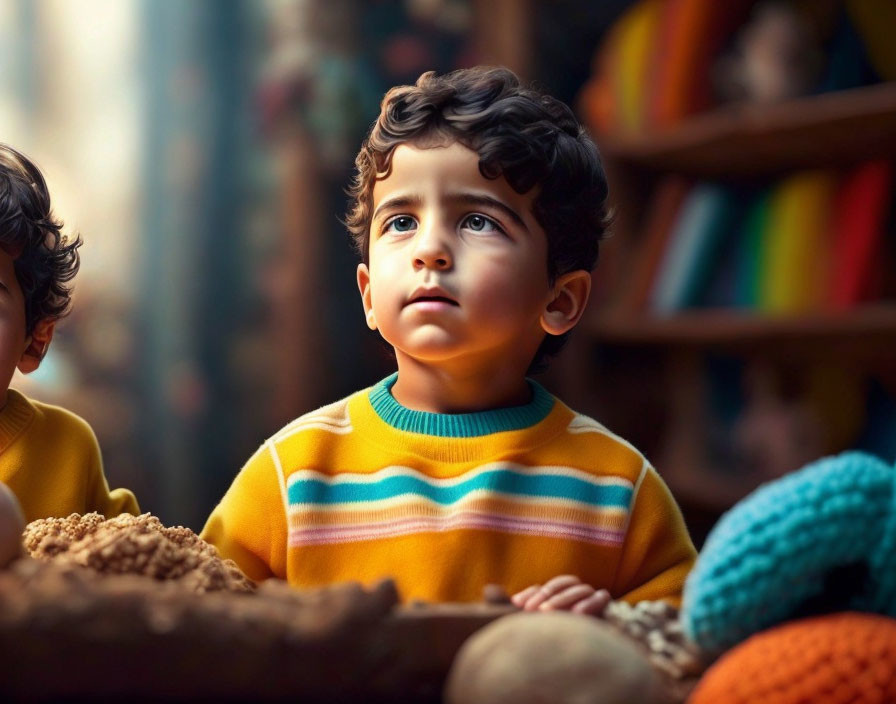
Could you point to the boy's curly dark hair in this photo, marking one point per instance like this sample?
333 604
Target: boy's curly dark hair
531 139
44 259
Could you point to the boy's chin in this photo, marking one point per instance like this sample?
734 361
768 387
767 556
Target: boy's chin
429 354
430 351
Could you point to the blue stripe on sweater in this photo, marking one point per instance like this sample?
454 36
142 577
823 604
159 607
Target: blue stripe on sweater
315 491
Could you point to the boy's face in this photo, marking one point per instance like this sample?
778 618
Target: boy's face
12 322
457 262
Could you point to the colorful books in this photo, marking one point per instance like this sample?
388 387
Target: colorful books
812 242
655 67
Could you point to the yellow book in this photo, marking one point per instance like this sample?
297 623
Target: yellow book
797 243
637 35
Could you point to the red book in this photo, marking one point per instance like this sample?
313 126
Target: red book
861 207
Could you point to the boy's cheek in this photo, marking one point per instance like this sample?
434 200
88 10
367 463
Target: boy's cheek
387 282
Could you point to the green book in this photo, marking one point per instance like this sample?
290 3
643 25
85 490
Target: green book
748 272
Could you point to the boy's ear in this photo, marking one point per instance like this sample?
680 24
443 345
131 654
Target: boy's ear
570 294
364 288
36 346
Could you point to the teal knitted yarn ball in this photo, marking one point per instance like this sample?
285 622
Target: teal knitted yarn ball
819 540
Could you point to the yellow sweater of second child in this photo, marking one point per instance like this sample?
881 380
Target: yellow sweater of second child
50 459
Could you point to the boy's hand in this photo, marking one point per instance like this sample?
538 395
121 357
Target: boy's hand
563 593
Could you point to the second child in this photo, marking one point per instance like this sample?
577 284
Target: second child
49 457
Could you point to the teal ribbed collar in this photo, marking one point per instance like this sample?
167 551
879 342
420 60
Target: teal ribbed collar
459 425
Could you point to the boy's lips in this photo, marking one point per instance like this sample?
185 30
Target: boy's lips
431 294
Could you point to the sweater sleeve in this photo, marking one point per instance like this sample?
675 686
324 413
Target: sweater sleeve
658 552
249 525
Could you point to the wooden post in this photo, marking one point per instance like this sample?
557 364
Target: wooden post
295 318
503 34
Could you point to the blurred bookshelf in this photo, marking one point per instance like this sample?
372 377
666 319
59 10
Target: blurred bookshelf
754 140
866 326
710 383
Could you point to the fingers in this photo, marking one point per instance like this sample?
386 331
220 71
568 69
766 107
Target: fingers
520 598
533 597
567 598
593 605
557 584
563 593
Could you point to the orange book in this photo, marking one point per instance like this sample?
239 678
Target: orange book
597 101
691 34
615 97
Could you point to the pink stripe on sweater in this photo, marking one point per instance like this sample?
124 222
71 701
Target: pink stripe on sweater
461 521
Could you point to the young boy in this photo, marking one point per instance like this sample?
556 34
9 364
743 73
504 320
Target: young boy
49 457
478 206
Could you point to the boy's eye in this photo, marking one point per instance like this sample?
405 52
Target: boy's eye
402 223
480 223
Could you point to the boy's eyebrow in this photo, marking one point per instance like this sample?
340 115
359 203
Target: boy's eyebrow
464 198
397 202
482 199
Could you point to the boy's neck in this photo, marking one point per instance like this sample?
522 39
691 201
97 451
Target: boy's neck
455 389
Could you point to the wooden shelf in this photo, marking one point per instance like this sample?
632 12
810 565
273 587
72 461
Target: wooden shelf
867 325
753 140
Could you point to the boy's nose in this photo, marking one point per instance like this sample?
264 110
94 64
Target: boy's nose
432 250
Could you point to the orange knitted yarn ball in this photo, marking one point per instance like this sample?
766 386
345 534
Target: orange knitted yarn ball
843 658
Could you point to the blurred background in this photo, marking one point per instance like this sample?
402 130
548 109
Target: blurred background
744 315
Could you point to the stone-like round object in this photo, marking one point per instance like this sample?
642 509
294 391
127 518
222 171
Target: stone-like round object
12 523
554 657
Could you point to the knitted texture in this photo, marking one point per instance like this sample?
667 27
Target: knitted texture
359 491
844 658
818 540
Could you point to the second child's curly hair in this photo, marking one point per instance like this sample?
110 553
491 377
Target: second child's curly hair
44 259
531 139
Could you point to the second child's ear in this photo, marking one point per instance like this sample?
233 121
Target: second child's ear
366 301
568 298
36 346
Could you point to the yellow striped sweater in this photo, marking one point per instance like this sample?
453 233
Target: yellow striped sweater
364 489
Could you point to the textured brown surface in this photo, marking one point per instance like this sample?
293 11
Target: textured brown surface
127 607
136 545
67 632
